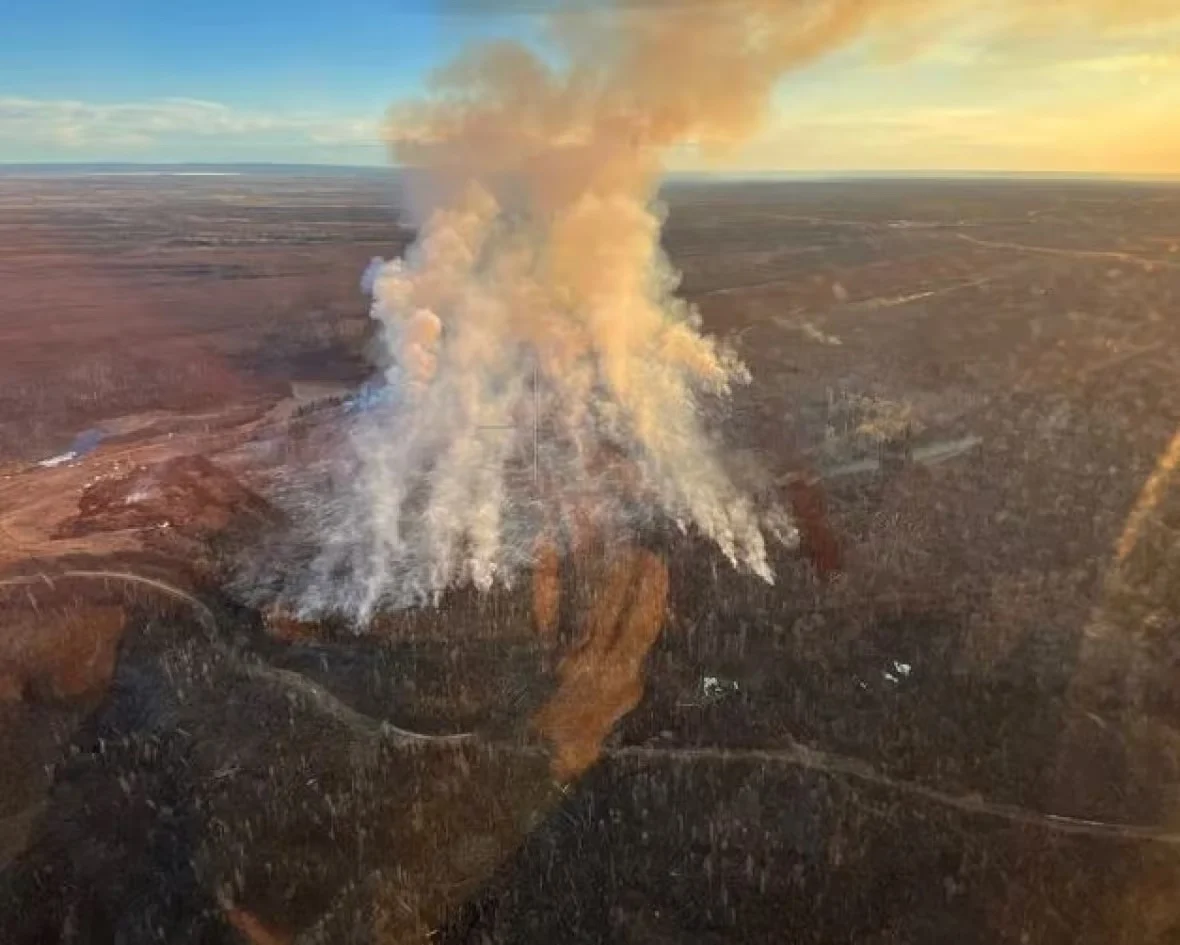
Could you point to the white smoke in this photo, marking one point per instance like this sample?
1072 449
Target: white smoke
516 404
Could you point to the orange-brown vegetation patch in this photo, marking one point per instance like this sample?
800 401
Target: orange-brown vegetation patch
819 541
252 929
58 653
281 624
546 590
601 679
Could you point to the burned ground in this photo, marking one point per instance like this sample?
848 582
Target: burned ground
1023 337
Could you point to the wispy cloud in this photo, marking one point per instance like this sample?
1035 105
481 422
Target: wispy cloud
81 126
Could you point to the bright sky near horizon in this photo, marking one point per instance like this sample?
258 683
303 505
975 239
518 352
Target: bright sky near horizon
307 82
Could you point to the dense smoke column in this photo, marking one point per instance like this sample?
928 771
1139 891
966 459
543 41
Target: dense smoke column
493 334
537 296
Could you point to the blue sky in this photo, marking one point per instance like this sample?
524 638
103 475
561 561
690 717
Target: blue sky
290 81
259 54
310 81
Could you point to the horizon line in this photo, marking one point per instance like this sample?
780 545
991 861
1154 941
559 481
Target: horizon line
733 176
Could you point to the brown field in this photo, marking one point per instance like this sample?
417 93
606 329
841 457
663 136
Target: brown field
985 377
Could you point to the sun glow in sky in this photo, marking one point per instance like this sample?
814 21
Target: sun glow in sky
308 82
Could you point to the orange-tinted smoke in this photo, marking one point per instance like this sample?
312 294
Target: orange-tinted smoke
641 76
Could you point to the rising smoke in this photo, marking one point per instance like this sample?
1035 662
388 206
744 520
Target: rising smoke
539 362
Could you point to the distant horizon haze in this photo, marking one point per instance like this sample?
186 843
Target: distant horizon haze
803 175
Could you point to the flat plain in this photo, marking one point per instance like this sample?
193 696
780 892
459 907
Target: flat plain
984 378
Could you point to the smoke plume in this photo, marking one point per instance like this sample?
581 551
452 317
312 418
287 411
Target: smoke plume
540 365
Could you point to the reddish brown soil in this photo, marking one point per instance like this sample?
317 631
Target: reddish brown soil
188 493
